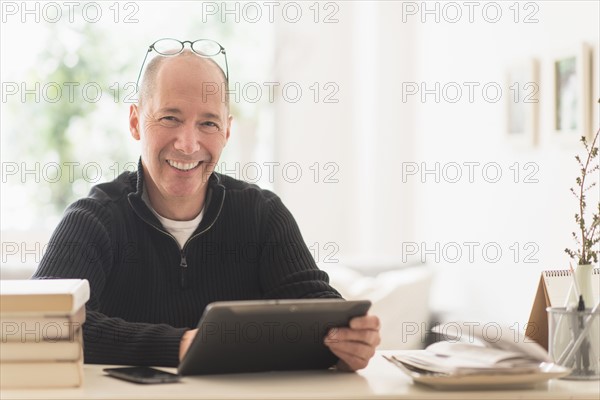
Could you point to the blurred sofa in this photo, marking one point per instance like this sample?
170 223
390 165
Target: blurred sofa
18 271
400 296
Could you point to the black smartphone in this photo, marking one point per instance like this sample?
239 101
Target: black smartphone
142 374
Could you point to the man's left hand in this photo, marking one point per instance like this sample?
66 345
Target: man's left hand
356 344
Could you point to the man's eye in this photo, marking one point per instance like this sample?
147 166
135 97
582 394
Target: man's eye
168 121
210 126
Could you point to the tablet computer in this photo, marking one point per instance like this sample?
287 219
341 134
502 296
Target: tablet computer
267 335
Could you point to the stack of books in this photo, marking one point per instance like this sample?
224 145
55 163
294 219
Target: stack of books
41 323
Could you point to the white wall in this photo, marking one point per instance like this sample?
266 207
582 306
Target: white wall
371 213
504 212
365 134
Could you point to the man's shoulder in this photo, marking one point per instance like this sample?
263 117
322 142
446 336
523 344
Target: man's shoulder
240 189
115 190
104 196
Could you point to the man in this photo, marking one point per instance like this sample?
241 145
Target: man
159 245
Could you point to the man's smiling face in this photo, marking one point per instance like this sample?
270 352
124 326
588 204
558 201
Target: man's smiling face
183 127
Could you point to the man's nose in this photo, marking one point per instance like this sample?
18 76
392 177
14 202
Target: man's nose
187 140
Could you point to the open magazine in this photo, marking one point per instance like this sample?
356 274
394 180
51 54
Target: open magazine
466 358
478 359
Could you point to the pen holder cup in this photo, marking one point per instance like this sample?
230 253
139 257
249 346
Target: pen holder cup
574 341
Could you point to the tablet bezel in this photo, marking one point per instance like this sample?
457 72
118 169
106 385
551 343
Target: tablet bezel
208 354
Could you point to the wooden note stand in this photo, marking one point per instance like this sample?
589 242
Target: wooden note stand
537 327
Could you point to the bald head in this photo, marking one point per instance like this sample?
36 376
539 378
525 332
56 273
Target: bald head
150 77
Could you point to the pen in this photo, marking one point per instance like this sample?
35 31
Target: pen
569 352
575 330
568 308
584 355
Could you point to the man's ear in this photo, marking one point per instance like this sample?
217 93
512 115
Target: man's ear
134 121
228 127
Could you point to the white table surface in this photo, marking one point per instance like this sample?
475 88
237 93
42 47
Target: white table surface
380 380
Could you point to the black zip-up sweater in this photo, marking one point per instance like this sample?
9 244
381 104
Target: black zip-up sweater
146 291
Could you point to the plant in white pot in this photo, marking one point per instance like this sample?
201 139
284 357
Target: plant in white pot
588 236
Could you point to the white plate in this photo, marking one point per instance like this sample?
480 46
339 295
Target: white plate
483 381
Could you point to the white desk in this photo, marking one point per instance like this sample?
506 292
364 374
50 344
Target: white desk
380 380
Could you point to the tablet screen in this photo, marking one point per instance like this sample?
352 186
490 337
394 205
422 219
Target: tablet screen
267 335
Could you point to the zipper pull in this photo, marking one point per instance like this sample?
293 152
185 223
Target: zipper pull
183 265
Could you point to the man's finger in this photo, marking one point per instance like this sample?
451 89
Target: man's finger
370 337
349 361
365 322
360 350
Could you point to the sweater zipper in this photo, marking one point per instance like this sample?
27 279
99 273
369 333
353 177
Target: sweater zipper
183 266
183 263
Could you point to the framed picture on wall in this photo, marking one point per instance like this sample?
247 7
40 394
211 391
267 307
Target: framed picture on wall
571 107
522 105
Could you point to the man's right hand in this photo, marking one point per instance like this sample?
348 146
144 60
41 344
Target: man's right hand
186 341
